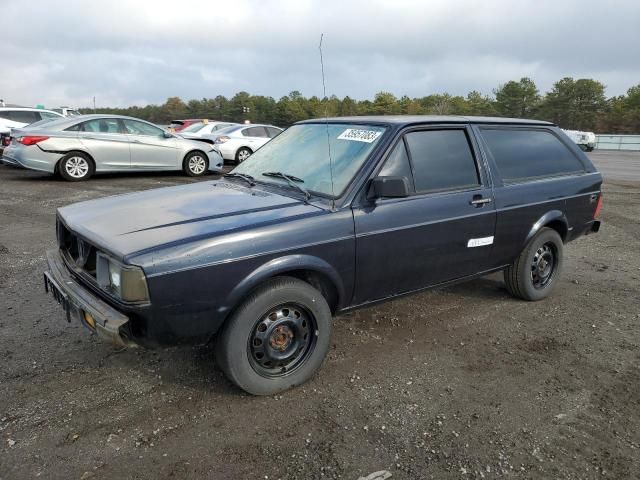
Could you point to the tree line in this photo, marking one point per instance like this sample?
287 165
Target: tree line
572 104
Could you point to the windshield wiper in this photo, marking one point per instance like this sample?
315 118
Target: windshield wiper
247 178
291 180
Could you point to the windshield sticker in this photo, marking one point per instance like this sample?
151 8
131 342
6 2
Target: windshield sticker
356 135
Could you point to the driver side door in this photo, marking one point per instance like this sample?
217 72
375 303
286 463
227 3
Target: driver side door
150 149
442 231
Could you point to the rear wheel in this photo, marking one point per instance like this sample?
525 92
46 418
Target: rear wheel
76 166
277 339
535 272
242 154
195 164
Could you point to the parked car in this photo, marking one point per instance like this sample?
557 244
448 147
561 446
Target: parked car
67 111
238 142
18 117
77 147
201 130
330 216
585 140
178 125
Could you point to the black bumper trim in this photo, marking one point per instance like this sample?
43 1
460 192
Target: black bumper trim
76 299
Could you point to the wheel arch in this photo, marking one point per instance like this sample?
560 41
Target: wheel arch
313 270
554 219
194 150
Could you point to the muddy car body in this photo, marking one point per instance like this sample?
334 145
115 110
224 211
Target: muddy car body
260 260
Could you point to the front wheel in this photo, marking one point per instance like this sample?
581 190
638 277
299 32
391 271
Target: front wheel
277 339
195 164
242 154
535 272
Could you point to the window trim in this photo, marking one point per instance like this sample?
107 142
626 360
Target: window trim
535 178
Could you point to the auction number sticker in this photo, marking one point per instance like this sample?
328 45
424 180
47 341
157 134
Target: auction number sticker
357 135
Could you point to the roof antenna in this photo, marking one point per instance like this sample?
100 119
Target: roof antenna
326 111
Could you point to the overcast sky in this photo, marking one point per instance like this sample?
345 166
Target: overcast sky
124 53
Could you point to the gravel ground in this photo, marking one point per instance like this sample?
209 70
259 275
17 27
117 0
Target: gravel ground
461 382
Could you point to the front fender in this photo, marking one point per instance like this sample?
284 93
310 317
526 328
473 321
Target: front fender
282 265
553 216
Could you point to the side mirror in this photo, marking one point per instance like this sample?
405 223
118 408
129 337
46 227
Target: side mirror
388 187
167 134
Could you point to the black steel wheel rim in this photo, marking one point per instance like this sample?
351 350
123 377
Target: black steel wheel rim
543 265
282 340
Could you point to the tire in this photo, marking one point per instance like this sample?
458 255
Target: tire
590 149
277 339
76 167
195 164
535 272
242 154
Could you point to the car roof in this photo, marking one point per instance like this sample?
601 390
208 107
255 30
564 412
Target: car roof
412 119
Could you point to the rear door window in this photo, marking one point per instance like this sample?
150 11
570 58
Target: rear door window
101 125
442 160
255 132
522 153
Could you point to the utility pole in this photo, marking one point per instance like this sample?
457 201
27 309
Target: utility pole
94 104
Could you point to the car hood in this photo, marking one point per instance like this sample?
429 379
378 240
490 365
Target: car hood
136 223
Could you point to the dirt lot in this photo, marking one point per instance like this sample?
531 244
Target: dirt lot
462 382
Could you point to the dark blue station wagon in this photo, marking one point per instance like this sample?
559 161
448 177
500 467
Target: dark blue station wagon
332 215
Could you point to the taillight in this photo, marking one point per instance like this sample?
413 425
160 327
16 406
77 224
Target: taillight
222 139
32 140
596 213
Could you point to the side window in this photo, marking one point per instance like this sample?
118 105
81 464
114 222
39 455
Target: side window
255 132
273 132
49 115
527 153
100 125
74 128
23 116
397 164
135 127
442 160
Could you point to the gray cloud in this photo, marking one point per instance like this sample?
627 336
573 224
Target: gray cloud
65 52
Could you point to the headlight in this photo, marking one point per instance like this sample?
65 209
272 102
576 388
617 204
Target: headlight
125 282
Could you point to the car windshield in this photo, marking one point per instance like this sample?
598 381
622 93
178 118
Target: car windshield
302 151
194 127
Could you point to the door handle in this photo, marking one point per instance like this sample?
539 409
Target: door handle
479 201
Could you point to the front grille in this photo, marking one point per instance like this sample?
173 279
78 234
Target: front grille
77 250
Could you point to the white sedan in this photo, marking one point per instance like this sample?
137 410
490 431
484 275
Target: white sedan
240 141
202 129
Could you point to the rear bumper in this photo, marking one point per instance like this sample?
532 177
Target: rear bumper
109 324
31 157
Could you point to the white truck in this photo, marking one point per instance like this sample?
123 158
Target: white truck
585 140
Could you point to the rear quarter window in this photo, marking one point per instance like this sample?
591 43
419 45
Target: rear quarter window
522 154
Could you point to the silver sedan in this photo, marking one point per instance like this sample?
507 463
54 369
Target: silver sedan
78 147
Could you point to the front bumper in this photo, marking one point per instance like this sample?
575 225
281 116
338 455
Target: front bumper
109 324
216 162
